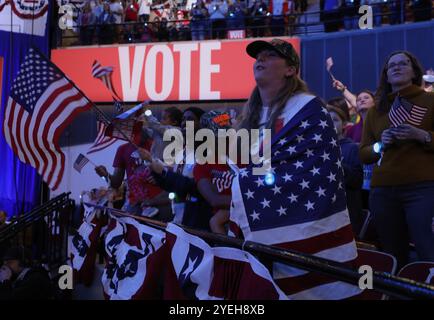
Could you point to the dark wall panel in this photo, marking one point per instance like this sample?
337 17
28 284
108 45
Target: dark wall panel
359 55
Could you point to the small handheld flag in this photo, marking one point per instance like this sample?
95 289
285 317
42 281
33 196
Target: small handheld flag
329 65
80 162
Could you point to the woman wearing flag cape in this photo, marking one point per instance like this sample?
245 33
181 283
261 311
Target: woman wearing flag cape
398 134
300 203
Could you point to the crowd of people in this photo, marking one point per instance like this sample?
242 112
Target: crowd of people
377 148
386 159
130 21
114 21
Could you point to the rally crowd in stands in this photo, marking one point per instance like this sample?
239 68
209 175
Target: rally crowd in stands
201 201
387 162
113 21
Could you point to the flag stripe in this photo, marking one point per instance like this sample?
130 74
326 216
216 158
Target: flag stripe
34 161
329 291
17 128
49 113
318 243
344 254
102 141
60 109
39 119
298 232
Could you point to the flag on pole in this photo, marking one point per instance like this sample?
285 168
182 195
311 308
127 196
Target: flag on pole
42 103
101 141
329 63
105 75
305 208
80 162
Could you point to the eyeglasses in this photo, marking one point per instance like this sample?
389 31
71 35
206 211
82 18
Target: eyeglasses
401 64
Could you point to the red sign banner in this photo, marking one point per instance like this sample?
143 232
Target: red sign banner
206 70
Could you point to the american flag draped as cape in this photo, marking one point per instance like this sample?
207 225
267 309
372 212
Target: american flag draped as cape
305 209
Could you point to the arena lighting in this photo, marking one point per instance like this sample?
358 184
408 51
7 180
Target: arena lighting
172 195
378 147
269 179
148 113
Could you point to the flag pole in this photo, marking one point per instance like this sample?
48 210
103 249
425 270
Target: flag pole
331 75
104 117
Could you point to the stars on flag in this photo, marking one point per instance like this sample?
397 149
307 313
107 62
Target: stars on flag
320 192
282 211
255 215
309 205
265 203
293 197
315 171
304 184
325 156
249 194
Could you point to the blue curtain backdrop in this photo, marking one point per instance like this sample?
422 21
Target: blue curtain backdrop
20 184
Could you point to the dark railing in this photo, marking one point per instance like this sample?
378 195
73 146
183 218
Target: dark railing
382 282
390 12
43 230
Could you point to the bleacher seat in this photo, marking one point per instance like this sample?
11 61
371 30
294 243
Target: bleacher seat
379 261
420 271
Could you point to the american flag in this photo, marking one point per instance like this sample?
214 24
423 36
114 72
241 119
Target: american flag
41 104
403 111
105 75
195 270
305 208
101 141
80 162
329 63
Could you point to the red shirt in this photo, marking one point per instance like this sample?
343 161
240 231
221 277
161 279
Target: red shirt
137 173
131 14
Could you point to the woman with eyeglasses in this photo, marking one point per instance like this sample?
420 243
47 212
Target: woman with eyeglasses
397 138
